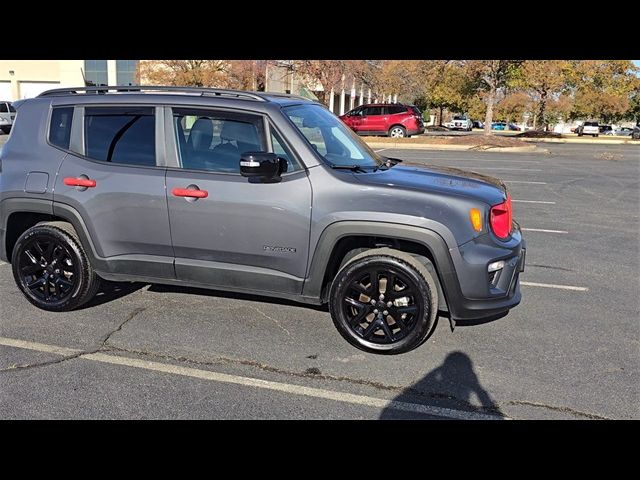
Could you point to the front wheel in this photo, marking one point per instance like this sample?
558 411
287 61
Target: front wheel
397 132
384 301
52 269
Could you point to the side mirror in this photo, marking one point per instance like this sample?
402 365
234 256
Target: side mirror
262 164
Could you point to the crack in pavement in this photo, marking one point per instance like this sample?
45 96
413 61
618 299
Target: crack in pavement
569 410
277 322
102 348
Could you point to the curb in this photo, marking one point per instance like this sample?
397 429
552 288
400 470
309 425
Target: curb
459 148
585 141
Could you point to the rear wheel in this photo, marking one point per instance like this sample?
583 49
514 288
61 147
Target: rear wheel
52 269
384 301
397 132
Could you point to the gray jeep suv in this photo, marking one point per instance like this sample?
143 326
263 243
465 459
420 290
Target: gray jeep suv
250 192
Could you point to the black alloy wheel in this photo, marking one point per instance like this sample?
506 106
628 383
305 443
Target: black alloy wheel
52 269
384 301
47 269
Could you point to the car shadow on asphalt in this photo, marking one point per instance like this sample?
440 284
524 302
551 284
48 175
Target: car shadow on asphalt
160 288
110 291
452 385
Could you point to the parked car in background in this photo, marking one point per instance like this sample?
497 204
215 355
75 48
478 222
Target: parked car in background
606 129
514 127
460 122
7 116
636 132
478 124
623 131
394 120
588 128
498 126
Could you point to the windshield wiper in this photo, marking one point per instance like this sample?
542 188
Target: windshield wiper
353 168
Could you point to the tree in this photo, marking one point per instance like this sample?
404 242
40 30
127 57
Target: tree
603 88
490 76
545 80
446 85
184 73
326 74
513 106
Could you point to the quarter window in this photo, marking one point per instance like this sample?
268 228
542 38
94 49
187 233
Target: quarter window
60 128
280 149
215 140
124 135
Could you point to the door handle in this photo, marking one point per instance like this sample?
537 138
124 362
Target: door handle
189 193
79 182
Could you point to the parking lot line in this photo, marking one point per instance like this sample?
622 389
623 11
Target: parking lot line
381 150
208 375
551 285
543 230
533 201
521 181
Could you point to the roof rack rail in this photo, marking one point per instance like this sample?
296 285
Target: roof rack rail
101 90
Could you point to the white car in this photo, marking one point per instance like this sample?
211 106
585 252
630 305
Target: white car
588 128
460 123
7 115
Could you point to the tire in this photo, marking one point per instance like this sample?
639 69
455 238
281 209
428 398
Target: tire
595 135
397 131
56 289
363 324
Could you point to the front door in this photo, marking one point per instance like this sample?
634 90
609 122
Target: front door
115 184
374 120
228 231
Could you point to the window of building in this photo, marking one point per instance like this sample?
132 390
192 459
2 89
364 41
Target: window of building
126 72
124 135
214 141
60 128
95 72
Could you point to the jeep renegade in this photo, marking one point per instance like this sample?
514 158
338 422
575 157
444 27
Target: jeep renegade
250 192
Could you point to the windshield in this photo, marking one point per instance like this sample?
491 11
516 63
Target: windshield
331 138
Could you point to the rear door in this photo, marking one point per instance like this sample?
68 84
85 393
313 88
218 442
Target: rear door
114 178
228 230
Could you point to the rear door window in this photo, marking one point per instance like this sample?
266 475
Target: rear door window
124 135
369 111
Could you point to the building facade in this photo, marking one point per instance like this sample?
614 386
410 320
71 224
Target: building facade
28 78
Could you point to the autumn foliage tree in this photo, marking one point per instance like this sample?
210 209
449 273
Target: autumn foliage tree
240 74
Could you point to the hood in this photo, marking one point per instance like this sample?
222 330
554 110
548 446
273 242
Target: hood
446 180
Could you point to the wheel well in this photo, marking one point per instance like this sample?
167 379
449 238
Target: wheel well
348 247
398 125
20 222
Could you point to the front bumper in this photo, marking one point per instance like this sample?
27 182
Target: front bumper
473 292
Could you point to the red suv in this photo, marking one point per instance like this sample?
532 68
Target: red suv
394 120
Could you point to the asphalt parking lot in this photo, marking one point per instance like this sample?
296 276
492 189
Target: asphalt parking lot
570 350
